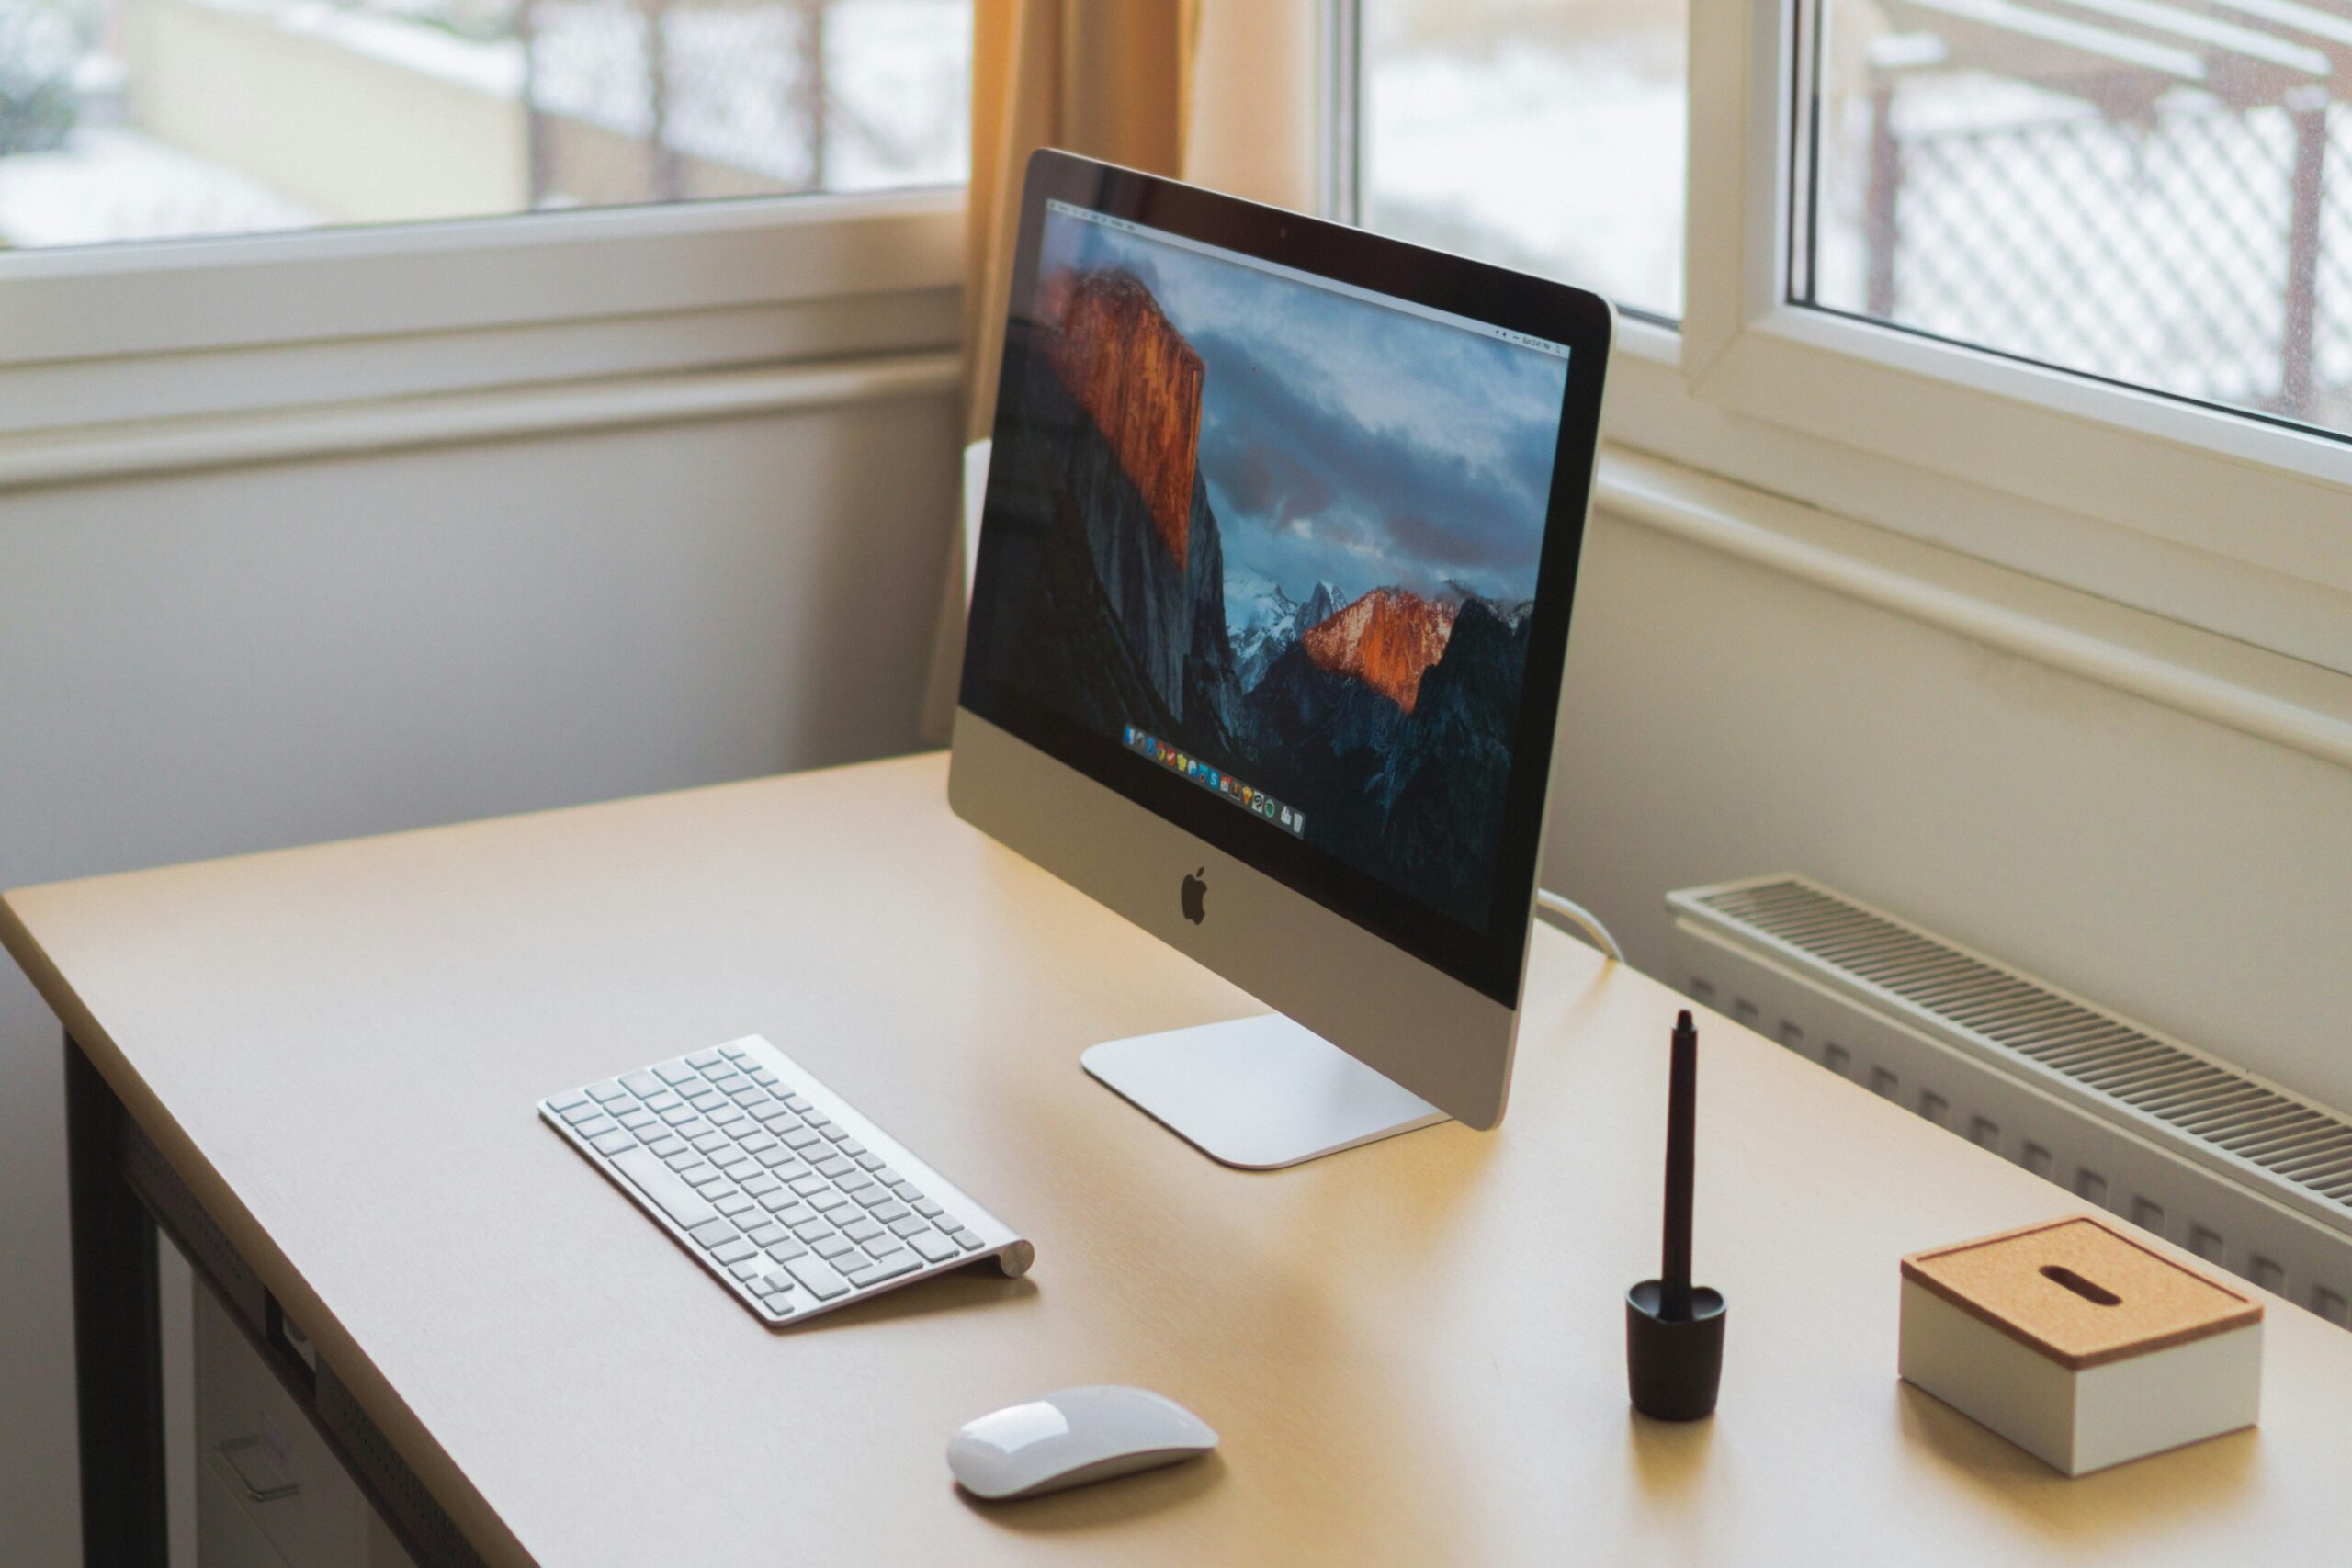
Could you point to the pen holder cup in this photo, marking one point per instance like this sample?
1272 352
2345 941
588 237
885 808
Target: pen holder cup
1673 1366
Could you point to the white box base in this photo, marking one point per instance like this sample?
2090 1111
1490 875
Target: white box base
2079 1421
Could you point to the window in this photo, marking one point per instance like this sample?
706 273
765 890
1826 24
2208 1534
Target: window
137 119
1546 137
2153 192
2065 286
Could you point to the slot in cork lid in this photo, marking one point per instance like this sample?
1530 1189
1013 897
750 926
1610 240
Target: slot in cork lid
2080 1291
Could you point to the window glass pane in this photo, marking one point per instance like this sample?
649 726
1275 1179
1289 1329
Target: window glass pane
133 119
1546 135
2154 191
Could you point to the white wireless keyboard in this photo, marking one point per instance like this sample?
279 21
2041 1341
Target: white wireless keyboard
795 1202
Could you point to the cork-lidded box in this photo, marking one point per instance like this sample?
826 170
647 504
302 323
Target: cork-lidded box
2080 1345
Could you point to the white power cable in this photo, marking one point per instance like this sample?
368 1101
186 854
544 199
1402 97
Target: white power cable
1571 913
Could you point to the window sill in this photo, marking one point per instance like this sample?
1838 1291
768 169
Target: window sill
145 449
2277 698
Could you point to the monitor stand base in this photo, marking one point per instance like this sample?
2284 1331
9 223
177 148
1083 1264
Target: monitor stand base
1259 1093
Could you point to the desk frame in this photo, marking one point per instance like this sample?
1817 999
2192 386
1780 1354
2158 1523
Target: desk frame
123 1193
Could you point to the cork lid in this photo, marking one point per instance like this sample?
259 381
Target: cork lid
2080 1292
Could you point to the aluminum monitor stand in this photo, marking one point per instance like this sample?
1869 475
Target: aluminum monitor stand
1260 1093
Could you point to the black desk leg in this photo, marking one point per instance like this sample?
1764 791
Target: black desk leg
118 1334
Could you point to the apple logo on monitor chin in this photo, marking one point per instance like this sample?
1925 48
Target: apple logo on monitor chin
1194 893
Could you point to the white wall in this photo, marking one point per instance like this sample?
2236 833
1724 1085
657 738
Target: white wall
1723 720
216 663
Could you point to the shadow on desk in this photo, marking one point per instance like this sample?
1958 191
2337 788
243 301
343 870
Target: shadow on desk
976 1289
1111 1502
2144 1497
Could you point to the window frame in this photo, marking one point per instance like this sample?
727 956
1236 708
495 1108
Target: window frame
2229 523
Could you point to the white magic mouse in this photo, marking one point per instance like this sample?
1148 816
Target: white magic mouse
1071 1437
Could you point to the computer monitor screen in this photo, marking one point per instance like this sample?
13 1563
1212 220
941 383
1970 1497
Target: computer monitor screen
1279 541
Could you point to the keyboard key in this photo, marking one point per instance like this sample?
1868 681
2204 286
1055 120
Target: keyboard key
907 1191
567 1101
711 1232
861 1230
873 1162
704 1059
892 1212
703 1175
966 1240
678 1115
874 1273
706 1099
685 1159
831 1246
907 1225
814 1228
873 1197
818 1278
785 1251
738 1166
836 1167
610 1091
934 1247
798 1102
734 1123
809 1184
673 1197
801 1137
637 1121
733 1052
851 1146
779 1158
831 1203
926 1207
664 1100
612 1143
858 1181
705 1142
762 1074
666 1145
814 1118
645 1085
734 1251
777 1202
760 1186
581 1110
749 1096
836 1132
767 1233
752 1142
676 1073
735 1206
779 1115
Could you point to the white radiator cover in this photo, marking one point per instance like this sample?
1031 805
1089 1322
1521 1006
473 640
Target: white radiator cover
2243 1173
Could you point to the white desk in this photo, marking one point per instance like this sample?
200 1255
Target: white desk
1414 1350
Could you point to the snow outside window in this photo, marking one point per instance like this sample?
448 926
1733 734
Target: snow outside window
1544 135
140 119
2153 192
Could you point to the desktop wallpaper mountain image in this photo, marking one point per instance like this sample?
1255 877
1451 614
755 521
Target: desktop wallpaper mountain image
1292 533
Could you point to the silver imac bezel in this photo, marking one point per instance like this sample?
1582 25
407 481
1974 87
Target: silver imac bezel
1398 1012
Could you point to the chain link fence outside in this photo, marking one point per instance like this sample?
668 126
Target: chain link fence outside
2200 250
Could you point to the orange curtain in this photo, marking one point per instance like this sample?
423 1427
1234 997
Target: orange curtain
1111 79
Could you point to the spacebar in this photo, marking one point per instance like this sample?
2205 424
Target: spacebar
659 1183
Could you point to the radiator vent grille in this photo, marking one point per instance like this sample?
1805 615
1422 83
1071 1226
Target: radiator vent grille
2296 1142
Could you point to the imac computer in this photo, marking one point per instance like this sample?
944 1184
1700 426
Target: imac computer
1264 650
